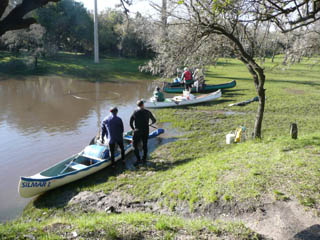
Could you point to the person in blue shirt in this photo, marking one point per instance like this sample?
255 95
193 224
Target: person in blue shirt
112 128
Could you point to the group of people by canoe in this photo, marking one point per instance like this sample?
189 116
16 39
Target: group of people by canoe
187 79
112 128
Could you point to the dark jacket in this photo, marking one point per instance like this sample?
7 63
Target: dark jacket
140 118
112 128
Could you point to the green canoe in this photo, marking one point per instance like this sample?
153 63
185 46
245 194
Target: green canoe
178 87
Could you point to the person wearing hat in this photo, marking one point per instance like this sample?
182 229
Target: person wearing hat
139 122
112 128
158 95
186 77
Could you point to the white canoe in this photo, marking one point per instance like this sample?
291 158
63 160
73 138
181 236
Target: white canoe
182 101
92 159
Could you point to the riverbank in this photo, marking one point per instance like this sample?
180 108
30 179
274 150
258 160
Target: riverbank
199 187
73 65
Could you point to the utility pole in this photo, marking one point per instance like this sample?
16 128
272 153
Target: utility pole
96 41
164 20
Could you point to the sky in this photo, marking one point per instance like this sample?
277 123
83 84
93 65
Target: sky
139 5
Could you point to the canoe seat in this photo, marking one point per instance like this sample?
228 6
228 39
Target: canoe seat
77 166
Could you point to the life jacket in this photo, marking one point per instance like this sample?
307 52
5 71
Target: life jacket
187 76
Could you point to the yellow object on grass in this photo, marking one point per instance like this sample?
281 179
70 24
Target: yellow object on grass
238 135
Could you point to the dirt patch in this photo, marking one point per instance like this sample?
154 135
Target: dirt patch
281 220
295 91
278 220
115 202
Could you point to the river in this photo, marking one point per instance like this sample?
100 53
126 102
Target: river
46 119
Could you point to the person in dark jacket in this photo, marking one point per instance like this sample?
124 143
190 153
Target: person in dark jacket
112 128
139 122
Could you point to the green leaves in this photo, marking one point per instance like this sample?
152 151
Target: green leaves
219 6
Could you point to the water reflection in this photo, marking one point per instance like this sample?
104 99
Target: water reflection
46 119
54 105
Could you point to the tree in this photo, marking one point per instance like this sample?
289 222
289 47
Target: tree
304 43
118 36
17 18
108 36
211 26
30 40
68 25
133 42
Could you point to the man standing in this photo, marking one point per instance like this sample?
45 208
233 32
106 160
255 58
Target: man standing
112 128
186 77
139 122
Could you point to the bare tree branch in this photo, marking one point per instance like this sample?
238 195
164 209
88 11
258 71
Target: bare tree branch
298 13
15 19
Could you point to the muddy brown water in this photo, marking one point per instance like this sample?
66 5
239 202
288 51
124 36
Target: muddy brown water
44 120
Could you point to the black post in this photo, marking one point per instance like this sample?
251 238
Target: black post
294 130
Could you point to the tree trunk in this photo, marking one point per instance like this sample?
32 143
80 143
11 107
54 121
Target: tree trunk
259 117
256 71
259 78
35 62
273 55
285 59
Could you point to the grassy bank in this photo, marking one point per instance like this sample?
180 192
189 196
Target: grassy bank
74 65
123 226
201 168
197 174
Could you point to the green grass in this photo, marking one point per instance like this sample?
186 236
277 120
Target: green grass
75 65
199 168
121 226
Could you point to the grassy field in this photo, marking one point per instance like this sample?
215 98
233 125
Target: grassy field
198 174
74 65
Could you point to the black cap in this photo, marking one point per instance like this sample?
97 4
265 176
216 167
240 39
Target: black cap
140 103
114 109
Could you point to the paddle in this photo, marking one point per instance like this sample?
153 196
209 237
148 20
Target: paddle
68 165
153 126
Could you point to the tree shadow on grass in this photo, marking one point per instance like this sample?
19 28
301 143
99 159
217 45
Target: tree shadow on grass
216 102
164 166
310 83
233 93
217 76
225 63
